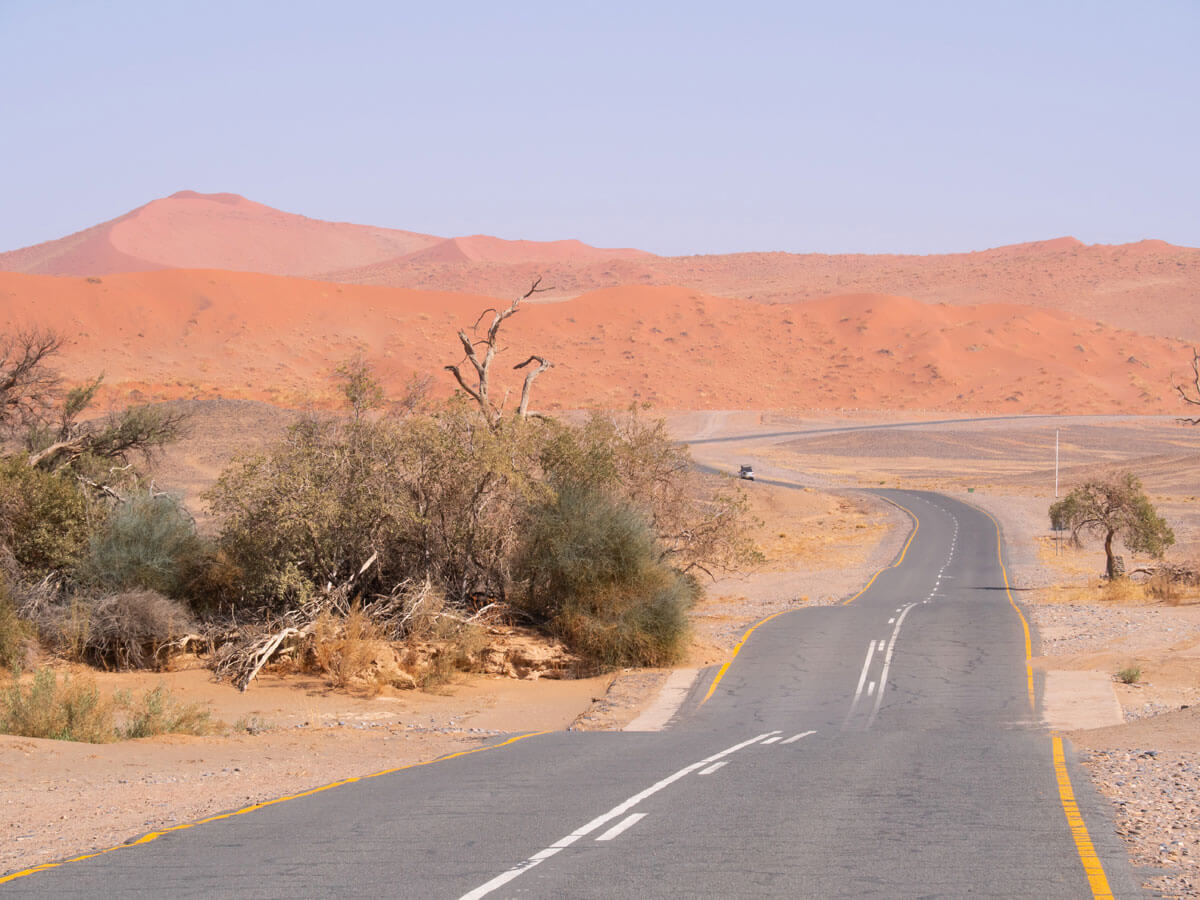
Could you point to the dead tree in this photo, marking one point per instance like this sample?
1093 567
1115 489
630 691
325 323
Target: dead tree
1191 395
29 387
481 351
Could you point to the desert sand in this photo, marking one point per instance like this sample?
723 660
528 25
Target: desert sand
199 333
1147 286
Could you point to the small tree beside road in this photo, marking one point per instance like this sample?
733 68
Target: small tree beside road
1110 508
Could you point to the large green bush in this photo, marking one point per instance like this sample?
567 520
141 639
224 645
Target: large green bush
148 542
45 518
435 495
312 510
594 575
701 521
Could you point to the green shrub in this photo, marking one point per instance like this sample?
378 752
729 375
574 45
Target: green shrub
1130 675
148 542
593 574
156 712
435 495
70 710
701 522
44 518
311 510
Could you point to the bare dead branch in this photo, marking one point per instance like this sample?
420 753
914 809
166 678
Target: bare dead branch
101 488
542 366
481 351
1192 399
141 429
29 387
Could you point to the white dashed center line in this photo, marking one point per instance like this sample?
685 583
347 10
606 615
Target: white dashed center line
627 822
796 737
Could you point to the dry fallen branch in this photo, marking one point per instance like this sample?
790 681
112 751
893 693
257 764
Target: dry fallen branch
262 652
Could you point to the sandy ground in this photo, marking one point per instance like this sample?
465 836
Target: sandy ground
187 333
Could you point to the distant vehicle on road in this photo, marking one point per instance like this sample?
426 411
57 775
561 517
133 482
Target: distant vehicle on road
746 472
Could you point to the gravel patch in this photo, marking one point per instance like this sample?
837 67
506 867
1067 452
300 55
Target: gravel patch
1156 795
1066 629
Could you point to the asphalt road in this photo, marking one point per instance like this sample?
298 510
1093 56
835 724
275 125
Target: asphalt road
885 748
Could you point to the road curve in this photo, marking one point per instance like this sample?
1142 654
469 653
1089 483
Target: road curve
886 747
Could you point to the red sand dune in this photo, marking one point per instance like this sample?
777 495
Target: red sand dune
225 231
202 333
480 248
219 231
1149 286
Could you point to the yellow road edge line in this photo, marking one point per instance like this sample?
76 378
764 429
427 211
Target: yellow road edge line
1092 867
1013 603
154 835
738 649
903 553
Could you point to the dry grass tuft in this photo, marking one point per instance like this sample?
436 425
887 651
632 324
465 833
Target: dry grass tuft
1122 591
1130 675
157 712
72 709
344 648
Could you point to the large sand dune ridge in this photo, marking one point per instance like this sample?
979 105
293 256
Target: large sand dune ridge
1149 286
184 333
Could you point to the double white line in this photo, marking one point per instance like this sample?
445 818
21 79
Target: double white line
888 648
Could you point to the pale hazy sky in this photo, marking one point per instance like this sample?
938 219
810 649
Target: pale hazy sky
676 127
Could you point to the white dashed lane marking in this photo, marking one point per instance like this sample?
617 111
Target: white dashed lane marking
627 822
